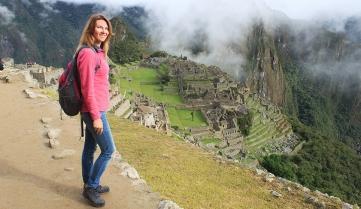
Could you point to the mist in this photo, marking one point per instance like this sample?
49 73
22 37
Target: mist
6 16
214 32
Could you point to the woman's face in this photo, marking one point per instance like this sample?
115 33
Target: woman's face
101 31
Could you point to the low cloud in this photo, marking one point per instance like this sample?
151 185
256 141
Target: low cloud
215 31
6 16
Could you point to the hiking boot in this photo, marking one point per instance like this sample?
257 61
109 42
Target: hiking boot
93 196
102 189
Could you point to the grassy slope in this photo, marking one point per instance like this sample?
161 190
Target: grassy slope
191 177
146 81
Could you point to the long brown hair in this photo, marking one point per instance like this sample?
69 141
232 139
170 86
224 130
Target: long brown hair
87 37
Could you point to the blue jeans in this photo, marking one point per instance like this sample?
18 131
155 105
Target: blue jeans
92 172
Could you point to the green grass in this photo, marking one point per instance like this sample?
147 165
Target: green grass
192 178
211 140
145 80
183 118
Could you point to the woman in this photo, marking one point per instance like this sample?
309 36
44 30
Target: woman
94 72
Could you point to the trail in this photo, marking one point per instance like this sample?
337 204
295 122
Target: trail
31 178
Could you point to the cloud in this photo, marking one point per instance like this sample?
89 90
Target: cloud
6 16
26 2
221 27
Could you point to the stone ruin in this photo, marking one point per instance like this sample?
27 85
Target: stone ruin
199 84
149 113
43 76
216 95
222 102
46 76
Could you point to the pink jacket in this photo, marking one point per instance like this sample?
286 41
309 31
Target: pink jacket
94 83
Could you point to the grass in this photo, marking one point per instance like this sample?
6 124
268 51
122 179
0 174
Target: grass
211 140
191 177
183 118
51 93
146 81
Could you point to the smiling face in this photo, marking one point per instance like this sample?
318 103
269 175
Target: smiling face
101 31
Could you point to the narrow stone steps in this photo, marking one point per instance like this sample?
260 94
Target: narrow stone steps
123 107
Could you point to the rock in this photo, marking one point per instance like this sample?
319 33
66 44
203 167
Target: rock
53 133
305 189
269 178
259 172
46 120
271 175
337 199
117 156
289 189
63 154
131 173
314 201
30 94
321 205
276 194
68 169
139 182
168 204
53 143
346 206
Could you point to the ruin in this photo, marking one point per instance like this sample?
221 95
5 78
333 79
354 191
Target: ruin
222 101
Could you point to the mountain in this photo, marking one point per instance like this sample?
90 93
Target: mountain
313 74
48 33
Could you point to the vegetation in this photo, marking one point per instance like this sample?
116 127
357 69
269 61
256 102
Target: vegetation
125 47
184 118
159 54
146 81
245 123
156 84
191 177
323 163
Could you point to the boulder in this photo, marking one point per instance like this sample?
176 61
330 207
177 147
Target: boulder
276 194
53 133
53 143
168 204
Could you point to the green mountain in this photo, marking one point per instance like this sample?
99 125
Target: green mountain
317 82
312 74
48 34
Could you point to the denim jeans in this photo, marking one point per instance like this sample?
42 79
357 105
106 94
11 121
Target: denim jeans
92 172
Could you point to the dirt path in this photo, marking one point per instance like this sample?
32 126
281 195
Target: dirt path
30 178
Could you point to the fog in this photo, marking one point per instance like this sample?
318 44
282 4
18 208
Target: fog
214 31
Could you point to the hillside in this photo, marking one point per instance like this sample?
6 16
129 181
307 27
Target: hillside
320 93
48 34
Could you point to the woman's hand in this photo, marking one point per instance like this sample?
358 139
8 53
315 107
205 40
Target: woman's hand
98 126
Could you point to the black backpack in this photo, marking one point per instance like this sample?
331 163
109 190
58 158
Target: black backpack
70 97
